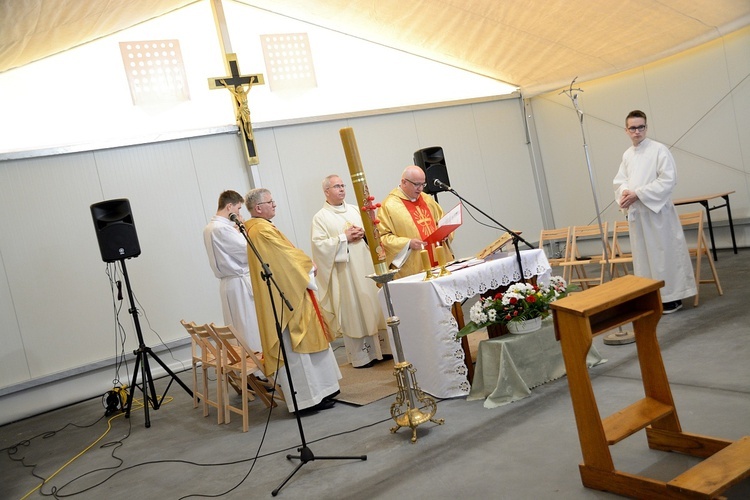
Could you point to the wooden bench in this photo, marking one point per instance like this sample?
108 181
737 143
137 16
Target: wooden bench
580 317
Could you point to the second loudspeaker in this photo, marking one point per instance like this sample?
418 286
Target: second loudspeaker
432 161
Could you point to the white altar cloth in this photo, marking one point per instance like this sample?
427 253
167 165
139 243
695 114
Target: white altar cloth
428 329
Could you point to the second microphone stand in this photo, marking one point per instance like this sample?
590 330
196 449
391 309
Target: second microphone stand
305 453
514 235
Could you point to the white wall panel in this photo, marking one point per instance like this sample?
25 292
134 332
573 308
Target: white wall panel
508 176
219 165
48 247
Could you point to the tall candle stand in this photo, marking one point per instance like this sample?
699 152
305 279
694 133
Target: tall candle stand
412 406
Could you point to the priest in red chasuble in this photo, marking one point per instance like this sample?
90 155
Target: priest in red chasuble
407 218
306 335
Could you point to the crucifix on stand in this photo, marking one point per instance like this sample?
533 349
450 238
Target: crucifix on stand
237 84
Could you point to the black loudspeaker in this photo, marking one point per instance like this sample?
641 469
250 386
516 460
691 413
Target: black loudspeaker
432 161
115 230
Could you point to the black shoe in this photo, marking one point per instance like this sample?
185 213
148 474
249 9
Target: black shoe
368 365
331 396
387 357
670 307
307 411
325 404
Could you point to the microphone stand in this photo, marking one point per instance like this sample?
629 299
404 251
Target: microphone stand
516 237
305 453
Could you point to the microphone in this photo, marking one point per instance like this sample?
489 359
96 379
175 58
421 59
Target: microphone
442 185
233 217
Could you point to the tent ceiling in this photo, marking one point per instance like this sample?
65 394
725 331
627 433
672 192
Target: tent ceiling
538 45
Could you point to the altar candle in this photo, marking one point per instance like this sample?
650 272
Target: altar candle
440 251
425 260
362 193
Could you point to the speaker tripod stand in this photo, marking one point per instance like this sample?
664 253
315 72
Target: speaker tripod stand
141 362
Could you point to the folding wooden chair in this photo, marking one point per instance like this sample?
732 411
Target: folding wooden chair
558 241
206 356
698 251
578 262
239 363
616 256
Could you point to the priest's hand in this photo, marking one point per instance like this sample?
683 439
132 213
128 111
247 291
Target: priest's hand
416 244
354 233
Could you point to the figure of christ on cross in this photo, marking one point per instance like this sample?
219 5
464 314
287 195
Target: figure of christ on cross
239 85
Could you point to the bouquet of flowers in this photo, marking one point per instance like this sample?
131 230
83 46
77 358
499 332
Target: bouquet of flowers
521 302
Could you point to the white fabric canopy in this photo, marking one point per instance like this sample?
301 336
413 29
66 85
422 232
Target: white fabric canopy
537 45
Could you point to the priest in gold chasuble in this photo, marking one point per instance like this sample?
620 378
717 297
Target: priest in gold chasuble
315 373
407 217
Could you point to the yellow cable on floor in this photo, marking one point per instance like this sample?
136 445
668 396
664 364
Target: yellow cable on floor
137 405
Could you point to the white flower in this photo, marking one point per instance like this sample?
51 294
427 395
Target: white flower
492 315
476 311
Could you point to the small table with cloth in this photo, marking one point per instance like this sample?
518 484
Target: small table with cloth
508 367
428 329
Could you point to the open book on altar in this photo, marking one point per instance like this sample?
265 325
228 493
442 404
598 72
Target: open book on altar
446 225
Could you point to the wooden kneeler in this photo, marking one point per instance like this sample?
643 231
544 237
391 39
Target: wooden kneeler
580 317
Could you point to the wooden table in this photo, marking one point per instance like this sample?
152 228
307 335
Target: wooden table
703 200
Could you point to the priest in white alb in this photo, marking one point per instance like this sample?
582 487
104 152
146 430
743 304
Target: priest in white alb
349 298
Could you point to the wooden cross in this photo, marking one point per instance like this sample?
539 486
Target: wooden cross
239 85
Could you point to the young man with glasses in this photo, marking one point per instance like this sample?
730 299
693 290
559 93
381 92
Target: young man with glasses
306 335
643 190
407 217
349 298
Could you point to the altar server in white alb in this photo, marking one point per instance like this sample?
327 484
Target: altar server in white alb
227 255
347 296
643 189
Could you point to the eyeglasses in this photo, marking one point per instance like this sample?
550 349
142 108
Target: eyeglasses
416 184
337 186
273 203
639 128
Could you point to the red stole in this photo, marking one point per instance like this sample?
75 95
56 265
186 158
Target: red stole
423 220
314 300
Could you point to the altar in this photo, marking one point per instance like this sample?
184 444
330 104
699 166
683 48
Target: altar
428 329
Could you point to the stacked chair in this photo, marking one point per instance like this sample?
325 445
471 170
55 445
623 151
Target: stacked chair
565 252
577 262
618 259
558 254
206 357
219 349
240 368
700 250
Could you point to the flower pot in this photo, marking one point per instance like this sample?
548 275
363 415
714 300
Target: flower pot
495 330
528 326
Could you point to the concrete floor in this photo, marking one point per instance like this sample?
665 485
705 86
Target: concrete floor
527 449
